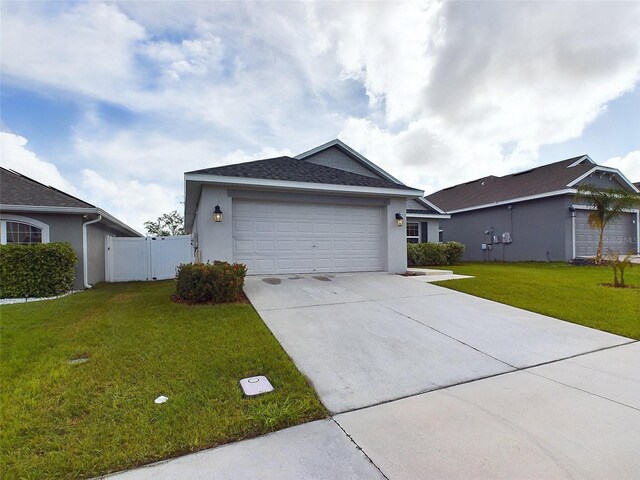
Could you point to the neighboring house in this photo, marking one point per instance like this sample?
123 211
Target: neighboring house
31 212
325 210
423 221
533 215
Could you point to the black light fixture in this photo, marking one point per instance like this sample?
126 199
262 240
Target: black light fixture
217 214
573 211
399 220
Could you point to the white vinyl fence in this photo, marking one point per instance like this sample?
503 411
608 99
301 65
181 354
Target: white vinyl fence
149 258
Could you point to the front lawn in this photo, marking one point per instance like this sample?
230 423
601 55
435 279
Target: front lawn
61 420
558 290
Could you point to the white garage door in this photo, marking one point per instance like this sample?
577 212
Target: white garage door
288 238
619 236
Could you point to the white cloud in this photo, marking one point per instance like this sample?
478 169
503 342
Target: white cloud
88 49
629 165
131 201
435 92
17 157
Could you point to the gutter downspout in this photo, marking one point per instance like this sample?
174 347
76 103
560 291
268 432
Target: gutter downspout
85 265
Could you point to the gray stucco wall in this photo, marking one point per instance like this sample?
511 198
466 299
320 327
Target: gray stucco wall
540 230
96 233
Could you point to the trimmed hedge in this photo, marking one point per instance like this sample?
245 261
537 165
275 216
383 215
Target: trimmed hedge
219 282
453 251
432 254
41 270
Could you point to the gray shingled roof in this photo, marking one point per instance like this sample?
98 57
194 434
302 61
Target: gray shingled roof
491 189
294 170
16 189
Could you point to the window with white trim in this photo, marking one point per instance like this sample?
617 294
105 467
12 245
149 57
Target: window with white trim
18 230
413 232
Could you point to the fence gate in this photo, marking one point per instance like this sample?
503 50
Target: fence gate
149 258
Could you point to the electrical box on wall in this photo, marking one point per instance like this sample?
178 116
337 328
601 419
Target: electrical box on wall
497 239
506 237
484 246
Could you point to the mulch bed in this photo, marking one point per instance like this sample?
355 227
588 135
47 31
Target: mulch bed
243 299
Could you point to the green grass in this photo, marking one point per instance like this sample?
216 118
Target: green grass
558 290
61 421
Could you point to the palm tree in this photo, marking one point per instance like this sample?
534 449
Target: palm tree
607 204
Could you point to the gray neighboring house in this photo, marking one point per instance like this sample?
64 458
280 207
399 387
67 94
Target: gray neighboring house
31 212
326 210
533 215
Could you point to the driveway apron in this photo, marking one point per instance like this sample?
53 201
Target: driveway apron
366 339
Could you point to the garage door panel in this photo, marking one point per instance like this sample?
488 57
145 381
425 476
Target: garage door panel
285 227
288 238
304 227
285 245
321 245
240 246
265 246
264 227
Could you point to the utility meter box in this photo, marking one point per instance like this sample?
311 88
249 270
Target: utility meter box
506 237
484 246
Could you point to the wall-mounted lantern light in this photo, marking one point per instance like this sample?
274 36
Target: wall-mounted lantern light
399 220
573 211
217 214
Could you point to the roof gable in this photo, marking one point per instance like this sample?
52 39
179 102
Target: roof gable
334 157
325 155
17 189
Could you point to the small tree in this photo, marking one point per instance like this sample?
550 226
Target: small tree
619 264
607 205
168 224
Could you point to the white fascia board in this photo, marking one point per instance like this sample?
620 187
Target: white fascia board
604 169
427 215
588 207
580 160
427 203
516 200
45 209
69 211
304 186
358 157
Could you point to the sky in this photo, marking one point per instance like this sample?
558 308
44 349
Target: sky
113 101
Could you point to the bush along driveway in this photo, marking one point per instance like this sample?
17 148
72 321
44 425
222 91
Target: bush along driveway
572 293
85 418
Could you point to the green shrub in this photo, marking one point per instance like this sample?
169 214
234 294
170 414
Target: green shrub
41 270
432 254
219 282
453 251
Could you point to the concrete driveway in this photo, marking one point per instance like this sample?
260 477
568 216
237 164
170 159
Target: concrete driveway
519 395
366 339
